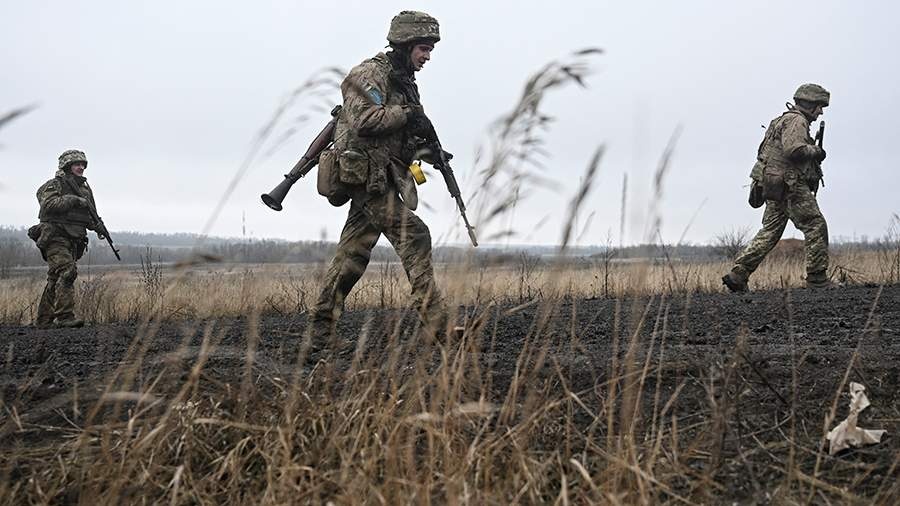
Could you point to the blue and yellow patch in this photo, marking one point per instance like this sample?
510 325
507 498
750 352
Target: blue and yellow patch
375 95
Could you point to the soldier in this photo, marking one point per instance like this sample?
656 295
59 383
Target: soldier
788 168
376 138
61 236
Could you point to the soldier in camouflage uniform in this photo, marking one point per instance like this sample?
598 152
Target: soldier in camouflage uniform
61 236
789 159
376 139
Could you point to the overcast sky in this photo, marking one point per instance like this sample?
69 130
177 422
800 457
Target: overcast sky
165 98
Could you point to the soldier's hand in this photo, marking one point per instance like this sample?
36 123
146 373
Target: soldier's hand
414 112
819 154
73 201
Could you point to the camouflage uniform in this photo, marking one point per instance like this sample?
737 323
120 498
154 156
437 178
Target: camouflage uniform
62 238
374 146
790 154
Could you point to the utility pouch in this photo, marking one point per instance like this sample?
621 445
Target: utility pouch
40 235
328 183
379 164
80 245
756 199
774 185
354 167
34 232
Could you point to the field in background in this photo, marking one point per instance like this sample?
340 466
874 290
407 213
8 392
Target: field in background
215 291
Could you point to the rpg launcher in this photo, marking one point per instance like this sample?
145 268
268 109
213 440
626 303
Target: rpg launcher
323 141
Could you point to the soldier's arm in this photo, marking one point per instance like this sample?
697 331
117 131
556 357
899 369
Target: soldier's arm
795 140
51 198
364 99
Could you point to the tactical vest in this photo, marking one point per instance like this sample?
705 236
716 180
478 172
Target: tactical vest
79 216
771 154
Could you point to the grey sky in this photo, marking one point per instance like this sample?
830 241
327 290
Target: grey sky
165 98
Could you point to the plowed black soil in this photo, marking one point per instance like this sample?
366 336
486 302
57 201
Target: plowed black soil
811 333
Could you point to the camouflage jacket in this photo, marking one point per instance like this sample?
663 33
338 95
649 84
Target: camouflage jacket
60 207
786 149
372 145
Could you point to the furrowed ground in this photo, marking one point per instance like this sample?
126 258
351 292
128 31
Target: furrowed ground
701 398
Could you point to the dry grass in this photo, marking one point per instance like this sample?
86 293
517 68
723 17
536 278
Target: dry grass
231 291
417 422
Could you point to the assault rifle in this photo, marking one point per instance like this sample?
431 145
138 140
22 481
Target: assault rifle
439 158
817 166
99 226
274 198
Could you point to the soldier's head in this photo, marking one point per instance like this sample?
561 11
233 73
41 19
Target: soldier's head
811 99
414 34
73 161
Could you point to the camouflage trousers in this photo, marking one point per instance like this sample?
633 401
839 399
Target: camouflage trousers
58 299
801 208
407 233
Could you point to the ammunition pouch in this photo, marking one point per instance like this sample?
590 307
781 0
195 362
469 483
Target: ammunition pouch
328 181
354 166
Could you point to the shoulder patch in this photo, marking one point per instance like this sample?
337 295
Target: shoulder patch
375 95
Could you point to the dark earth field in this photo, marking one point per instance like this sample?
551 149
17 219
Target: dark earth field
747 350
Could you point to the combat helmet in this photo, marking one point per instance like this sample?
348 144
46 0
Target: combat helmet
413 25
813 93
71 156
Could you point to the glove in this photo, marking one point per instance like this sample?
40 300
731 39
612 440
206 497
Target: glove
417 123
413 112
818 154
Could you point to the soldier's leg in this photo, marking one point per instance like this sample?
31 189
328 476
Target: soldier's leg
774 220
411 239
349 263
45 311
804 212
64 303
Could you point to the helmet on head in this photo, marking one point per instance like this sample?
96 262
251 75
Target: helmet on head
71 156
812 93
413 25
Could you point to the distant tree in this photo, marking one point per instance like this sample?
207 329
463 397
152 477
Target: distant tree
729 243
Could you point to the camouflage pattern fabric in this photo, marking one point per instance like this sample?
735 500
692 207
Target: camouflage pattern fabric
413 25
70 156
407 233
60 205
374 149
58 299
65 220
801 208
373 123
786 149
813 93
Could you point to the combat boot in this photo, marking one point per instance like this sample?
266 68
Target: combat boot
735 282
42 323
819 280
70 323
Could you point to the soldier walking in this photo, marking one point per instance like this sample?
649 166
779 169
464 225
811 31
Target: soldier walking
378 134
788 170
65 216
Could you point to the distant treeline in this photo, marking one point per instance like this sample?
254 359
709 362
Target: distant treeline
17 250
